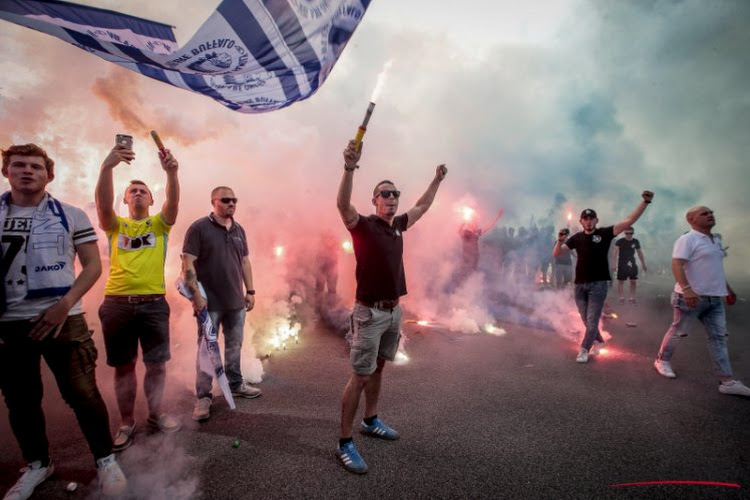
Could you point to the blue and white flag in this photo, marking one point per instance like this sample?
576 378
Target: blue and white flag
250 55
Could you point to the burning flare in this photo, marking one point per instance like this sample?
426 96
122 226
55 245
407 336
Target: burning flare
467 213
347 246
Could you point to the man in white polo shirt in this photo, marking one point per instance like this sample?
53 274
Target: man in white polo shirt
700 292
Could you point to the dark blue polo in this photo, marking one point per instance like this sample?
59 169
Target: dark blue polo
218 264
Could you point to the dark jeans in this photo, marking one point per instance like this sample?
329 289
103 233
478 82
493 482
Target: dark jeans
232 324
72 358
590 299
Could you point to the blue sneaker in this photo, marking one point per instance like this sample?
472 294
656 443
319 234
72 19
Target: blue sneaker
351 459
378 429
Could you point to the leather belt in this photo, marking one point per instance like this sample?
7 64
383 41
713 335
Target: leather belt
379 304
135 299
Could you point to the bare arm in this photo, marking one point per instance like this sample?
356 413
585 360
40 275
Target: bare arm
643 261
191 281
494 221
560 248
344 198
678 269
636 214
105 192
425 201
169 208
52 319
247 276
615 253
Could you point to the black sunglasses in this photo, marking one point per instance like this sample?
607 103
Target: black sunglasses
386 193
228 200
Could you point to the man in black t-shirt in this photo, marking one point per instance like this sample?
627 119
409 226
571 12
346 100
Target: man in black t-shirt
376 317
592 269
625 251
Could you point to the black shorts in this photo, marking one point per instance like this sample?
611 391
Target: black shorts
626 272
124 325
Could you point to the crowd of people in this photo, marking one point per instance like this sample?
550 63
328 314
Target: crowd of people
41 314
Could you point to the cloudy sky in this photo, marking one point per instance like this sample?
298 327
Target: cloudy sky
584 101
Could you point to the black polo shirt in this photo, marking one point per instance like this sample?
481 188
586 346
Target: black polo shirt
593 254
379 249
218 264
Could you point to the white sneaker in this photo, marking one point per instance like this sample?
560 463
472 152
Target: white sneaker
735 388
583 356
33 475
202 410
112 481
664 368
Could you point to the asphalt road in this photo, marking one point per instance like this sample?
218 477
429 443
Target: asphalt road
480 416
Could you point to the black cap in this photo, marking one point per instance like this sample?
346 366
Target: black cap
588 213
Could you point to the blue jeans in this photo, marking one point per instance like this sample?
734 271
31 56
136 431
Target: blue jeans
233 326
590 299
710 312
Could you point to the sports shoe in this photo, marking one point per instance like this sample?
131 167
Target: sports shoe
246 391
124 437
165 423
351 459
202 409
633 301
622 301
664 368
378 429
735 388
583 356
596 348
33 475
112 481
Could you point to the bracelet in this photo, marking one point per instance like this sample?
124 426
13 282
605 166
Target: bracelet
250 292
350 169
646 202
686 287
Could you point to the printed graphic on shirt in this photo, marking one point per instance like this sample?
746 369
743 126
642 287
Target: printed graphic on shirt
125 242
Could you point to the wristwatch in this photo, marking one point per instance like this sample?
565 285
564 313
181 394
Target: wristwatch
250 292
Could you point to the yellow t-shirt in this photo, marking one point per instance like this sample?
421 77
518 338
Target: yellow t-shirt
137 251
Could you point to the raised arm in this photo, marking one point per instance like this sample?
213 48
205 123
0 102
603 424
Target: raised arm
344 198
105 191
494 221
621 226
169 208
53 318
425 201
560 247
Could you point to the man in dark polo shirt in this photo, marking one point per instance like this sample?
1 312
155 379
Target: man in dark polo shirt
592 268
215 253
376 317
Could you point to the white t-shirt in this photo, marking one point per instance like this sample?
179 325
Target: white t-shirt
704 269
15 238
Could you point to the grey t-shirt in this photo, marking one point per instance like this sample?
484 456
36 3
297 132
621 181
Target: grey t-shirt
218 256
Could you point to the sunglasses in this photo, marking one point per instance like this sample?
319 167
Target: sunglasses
386 193
228 200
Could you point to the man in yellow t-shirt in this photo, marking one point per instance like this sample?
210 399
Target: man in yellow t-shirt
134 309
